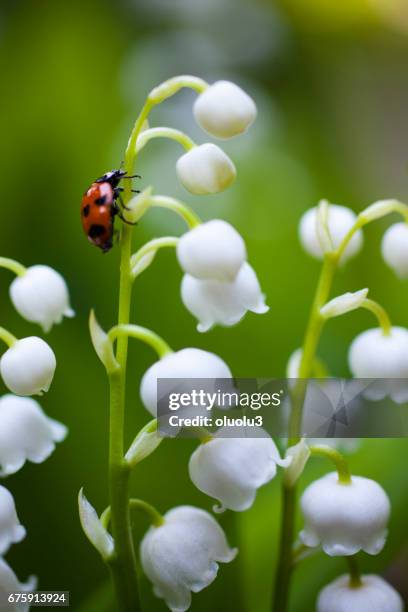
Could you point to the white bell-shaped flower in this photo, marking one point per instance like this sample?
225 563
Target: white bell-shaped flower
374 595
215 302
205 169
41 296
212 251
9 583
28 367
340 220
26 433
186 363
345 518
224 110
374 354
11 531
182 555
231 469
394 248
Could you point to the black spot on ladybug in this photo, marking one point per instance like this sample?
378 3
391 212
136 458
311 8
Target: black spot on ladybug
85 210
100 201
95 231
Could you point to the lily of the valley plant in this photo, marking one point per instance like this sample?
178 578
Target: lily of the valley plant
40 295
343 513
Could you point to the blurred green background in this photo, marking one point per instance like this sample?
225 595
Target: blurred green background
330 80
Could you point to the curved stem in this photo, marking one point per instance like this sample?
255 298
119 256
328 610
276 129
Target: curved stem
380 313
13 266
154 515
337 458
140 333
151 512
355 576
185 212
164 132
372 213
7 337
172 86
152 247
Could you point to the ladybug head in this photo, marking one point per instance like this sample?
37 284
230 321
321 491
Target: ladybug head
113 177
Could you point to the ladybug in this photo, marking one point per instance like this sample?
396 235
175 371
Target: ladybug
99 206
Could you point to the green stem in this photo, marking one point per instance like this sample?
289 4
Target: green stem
7 337
123 566
164 132
152 247
311 340
13 266
185 212
285 565
140 333
380 313
172 86
154 515
312 336
337 458
355 581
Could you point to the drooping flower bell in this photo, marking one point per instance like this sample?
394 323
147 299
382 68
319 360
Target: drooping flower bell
186 363
373 595
345 518
212 251
41 296
9 583
11 531
28 367
224 110
215 302
340 220
205 169
394 248
231 469
26 433
181 556
374 354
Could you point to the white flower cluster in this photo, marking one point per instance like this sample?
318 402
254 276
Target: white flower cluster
26 434
219 285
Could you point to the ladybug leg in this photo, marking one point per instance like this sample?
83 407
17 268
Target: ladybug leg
125 220
119 197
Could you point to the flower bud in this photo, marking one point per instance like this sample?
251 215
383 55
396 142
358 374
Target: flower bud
345 518
212 250
373 595
340 221
41 296
11 531
232 469
205 169
28 366
373 354
394 248
215 302
224 110
26 433
9 583
182 555
186 363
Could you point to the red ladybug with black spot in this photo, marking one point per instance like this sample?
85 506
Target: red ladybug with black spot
100 205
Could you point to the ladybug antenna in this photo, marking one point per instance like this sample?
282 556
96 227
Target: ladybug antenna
132 176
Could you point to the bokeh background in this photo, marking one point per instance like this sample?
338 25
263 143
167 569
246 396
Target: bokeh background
330 80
